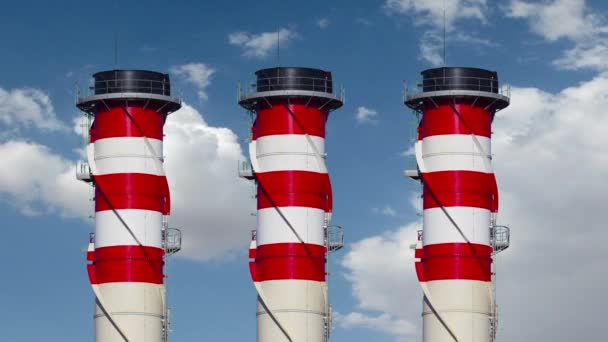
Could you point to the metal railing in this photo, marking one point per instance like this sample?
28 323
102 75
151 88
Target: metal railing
322 85
131 85
83 172
334 238
173 241
488 85
500 237
245 170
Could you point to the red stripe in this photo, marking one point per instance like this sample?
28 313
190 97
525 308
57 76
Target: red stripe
253 271
278 120
282 261
131 191
443 120
494 190
91 273
455 261
330 196
114 122
458 189
128 264
293 189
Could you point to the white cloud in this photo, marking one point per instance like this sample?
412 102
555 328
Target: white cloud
209 202
556 19
383 322
431 48
28 107
430 14
572 20
365 115
551 161
260 45
386 211
385 289
198 74
39 181
323 23
585 56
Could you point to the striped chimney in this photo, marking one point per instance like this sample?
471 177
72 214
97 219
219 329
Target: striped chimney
290 107
460 201
132 203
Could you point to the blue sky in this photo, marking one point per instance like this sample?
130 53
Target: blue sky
549 147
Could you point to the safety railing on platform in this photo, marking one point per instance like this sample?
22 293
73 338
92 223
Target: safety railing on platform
128 86
500 237
245 170
321 85
173 241
479 84
334 236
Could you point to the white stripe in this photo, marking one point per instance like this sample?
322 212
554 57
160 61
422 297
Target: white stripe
137 309
459 294
464 304
456 152
253 157
298 304
307 222
128 155
474 223
281 294
145 224
289 152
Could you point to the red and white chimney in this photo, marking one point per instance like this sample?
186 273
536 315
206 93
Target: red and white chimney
290 107
460 202
132 203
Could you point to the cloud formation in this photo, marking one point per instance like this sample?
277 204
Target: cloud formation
432 12
210 203
365 115
260 45
550 161
323 23
41 182
28 108
386 291
571 20
434 15
198 74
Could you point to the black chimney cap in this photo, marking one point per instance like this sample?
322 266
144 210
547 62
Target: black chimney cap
294 78
132 81
459 78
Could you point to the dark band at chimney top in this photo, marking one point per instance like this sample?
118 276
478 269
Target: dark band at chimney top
294 78
459 78
132 81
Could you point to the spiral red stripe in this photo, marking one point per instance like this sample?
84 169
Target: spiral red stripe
443 120
128 264
455 261
114 122
132 191
284 261
278 120
293 188
459 189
